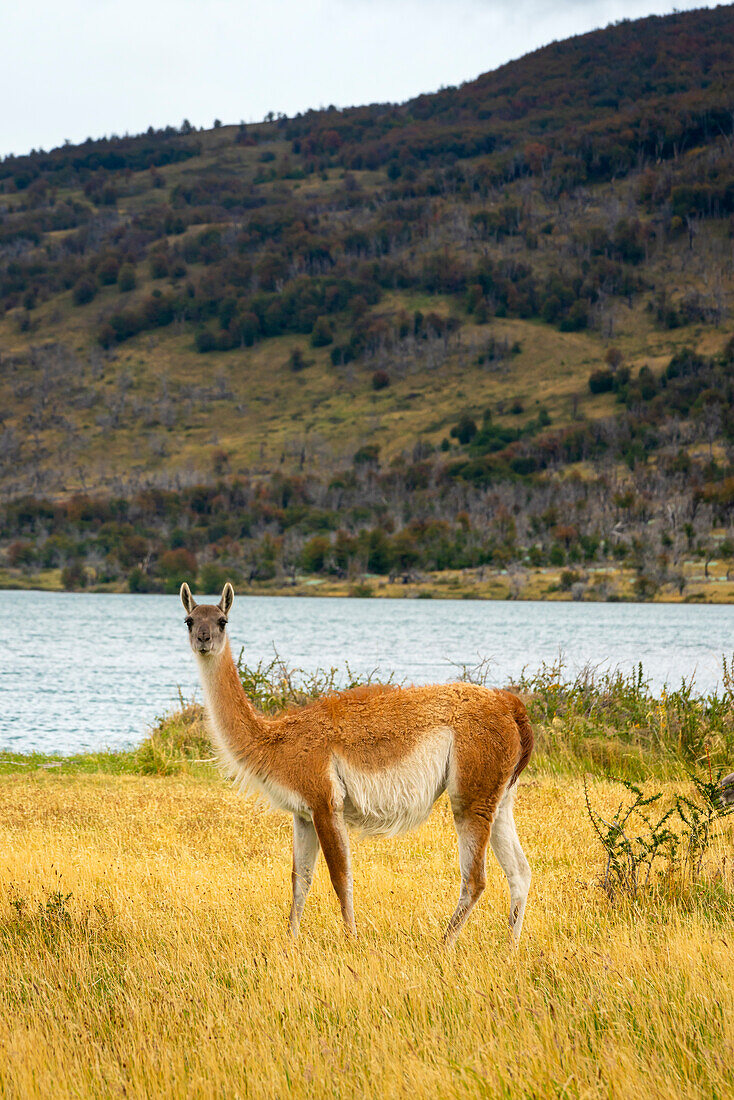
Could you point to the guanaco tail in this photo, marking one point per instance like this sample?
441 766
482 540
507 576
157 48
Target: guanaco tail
374 759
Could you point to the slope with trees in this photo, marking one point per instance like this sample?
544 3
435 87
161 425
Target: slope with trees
488 326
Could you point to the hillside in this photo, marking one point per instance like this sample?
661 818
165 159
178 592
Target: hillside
490 327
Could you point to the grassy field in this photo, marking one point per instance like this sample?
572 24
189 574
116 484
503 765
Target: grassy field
144 952
143 946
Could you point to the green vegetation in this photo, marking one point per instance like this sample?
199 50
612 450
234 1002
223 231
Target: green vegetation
608 724
674 842
491 327
613 724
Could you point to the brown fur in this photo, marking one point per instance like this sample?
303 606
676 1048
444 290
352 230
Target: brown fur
371 729
527 740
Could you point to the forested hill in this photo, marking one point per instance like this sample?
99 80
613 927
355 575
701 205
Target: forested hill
489 326
596 104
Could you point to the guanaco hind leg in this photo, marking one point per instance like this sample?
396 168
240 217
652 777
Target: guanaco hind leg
473 831
305 854
506 846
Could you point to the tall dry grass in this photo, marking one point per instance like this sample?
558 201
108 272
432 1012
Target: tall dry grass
143 952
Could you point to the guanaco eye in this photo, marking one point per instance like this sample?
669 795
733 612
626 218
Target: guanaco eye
222 624
189 622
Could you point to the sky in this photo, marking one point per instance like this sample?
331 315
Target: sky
70 69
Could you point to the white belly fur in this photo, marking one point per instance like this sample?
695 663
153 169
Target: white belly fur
400 797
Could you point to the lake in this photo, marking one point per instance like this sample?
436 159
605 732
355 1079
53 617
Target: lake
80 671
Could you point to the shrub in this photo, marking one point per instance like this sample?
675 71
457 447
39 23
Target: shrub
645 587
73 576
126 280
107 270
361 590
321 334
212 578
576 319
601 381
205 341
297 360
465 430
140 582
557 555
21 553
159 264
368 455
84 291
177 566
274 686
174 740
315 554
674 842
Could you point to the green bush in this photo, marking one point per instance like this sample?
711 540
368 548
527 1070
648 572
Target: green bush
601 381
465 430
85 289
205 340
175 740
126 280
141 582
73 576
612 721
660 849
213 577
315 554
177 566
322 334
273 686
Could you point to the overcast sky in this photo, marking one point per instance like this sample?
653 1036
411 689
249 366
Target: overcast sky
73 68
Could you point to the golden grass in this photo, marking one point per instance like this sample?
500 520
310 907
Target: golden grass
166 970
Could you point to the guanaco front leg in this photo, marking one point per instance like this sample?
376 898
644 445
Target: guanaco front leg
305 854
332 835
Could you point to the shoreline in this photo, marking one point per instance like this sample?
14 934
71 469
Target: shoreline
596 584
608 722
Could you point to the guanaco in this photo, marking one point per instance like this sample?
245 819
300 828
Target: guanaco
374 759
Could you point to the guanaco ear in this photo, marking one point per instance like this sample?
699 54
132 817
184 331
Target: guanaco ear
227 599
187 599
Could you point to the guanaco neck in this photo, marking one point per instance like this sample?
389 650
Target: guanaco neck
240 731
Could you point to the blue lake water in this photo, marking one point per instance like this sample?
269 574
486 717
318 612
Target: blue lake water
81 671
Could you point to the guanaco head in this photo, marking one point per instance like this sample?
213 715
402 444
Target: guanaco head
207 624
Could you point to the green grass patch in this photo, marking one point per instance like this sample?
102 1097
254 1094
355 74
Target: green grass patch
610 724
